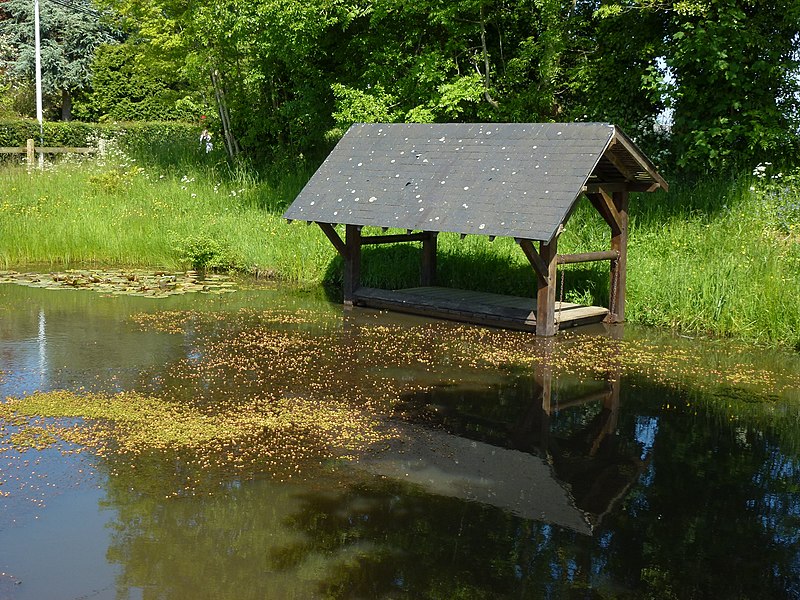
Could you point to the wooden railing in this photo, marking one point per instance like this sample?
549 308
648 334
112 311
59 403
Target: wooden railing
31 150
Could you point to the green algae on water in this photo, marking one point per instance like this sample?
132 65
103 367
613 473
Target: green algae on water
279 436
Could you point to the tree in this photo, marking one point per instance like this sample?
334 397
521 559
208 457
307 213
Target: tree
292 74
131 82
69 36
483 60
736 65
733 85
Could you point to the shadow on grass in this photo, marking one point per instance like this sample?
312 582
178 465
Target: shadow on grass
397 266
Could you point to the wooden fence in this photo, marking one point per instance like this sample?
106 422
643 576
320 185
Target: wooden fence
31 150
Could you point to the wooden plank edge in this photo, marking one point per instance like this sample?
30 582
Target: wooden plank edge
570 316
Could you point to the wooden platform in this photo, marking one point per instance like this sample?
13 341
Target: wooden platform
482 308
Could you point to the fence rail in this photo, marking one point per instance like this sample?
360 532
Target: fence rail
31 150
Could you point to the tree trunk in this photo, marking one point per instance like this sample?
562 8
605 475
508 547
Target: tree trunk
487 82
66 105
231 143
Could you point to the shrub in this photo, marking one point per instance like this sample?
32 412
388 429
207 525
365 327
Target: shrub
206 253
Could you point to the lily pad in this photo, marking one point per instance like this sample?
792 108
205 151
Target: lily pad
159 284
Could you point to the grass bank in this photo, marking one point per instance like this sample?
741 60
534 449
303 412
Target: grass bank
117 211
719 257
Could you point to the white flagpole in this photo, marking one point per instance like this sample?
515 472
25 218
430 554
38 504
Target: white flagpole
38 44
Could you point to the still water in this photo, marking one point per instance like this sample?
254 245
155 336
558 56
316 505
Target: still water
612 464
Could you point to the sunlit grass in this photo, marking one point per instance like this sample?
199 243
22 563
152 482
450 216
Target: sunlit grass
122 214
715 258
719 264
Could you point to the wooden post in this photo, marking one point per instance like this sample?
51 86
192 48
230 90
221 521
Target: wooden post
546 292
30 150
619 267
352 263
543 375
428 273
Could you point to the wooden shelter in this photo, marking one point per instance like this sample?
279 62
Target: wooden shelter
520 180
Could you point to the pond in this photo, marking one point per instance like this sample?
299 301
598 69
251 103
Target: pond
271 444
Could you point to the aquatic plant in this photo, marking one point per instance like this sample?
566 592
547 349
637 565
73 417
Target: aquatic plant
260 392
129 282
280 436
203 252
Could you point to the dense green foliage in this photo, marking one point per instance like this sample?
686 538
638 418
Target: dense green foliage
701 86
295 74
128 85
69 37
151 139
16 132
735 94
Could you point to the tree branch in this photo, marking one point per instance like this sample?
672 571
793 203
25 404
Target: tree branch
486 76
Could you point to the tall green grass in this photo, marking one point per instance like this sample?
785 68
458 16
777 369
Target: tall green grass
720 257
117 212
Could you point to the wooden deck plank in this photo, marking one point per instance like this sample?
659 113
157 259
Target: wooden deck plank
483 308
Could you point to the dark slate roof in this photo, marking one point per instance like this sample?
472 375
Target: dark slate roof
505 179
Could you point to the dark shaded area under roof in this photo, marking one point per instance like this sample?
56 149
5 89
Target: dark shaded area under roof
509 179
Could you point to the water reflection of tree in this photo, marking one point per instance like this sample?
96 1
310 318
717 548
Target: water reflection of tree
700 524
715 515
212 546
267 541
716 518
410 544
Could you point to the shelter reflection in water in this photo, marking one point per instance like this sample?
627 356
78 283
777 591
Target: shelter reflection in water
516 462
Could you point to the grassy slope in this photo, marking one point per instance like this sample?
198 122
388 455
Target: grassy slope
718 262
710 258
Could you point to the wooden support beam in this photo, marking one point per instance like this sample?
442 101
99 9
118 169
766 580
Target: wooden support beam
634 186
428 268
546 292
352 263
333 236
619 267
391 239
643 161
545 264
536 261
614 210
619 164
604 203
568 259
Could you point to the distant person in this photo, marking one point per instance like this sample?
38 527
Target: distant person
205 137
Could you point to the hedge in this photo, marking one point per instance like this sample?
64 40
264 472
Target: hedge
131 135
